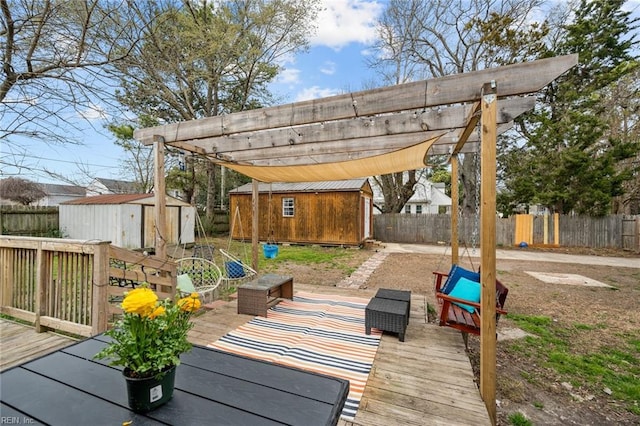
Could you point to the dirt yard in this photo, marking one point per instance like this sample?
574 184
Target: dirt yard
597 319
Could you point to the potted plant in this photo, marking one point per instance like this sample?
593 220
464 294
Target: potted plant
147 341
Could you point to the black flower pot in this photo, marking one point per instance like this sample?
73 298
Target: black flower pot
146 394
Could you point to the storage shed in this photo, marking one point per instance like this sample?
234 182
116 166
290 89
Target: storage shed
127 220
331 212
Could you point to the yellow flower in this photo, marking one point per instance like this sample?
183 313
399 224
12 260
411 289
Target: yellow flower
160 310
191 303
141 301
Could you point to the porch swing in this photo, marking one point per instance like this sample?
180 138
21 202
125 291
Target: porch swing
458 291
236 269
198 273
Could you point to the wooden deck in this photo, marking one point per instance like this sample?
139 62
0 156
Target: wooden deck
425 380
20 343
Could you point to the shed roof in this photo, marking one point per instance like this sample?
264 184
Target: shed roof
109 199
325 186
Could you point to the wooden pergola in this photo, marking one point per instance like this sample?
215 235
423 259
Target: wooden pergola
372 132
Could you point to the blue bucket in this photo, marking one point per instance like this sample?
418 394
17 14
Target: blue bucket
270 251
234 269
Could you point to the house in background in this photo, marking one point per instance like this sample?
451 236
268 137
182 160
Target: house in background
56 194
332 212
100 186
428 198
127 220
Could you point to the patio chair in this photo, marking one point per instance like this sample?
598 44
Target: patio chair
235 271
199 275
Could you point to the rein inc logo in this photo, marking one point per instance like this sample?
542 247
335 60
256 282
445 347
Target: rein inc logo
16 420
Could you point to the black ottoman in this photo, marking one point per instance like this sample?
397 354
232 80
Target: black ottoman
402 295
387 315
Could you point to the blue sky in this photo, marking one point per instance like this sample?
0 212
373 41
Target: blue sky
335 64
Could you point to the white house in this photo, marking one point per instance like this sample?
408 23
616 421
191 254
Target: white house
429 198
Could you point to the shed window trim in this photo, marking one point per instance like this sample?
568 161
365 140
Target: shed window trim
288 207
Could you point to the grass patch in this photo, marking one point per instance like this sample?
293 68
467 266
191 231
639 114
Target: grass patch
584 327
519 419
330 257
613 367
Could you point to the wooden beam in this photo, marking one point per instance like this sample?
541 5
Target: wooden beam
444 145
331 152
515 79
488 250
348 147
472 121
160 208
455 200
388 125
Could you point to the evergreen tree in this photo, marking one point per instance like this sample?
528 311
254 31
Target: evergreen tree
570 161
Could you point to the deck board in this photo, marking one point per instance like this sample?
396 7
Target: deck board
20 343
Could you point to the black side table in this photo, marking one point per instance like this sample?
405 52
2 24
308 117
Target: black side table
401 295
387 315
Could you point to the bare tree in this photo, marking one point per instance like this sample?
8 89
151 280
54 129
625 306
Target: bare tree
421 39
53 59
21 190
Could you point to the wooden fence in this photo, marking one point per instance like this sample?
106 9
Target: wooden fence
621 232
28 220
73 286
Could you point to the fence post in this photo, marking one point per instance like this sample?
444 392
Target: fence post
40 307
99 297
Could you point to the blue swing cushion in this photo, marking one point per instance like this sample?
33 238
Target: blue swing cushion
467 290
455 274
234 269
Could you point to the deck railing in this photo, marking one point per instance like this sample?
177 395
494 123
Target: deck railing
72 285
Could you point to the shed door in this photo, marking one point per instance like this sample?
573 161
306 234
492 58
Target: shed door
367 218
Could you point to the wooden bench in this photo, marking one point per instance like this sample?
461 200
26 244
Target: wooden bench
452 315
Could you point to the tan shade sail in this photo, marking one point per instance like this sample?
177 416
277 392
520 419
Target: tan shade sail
409 158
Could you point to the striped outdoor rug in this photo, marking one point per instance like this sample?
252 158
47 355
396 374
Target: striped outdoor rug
319 333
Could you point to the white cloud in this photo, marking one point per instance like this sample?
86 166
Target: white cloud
93 112
367 52
315 92
328 68
289 76
341 22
